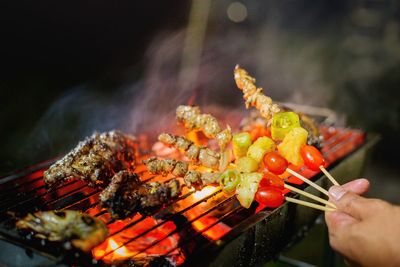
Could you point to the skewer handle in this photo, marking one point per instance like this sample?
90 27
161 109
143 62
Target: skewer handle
330 177
308 204
306 194
304 179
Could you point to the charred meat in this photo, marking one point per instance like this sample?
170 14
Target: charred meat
82 230
126 195
198 154
193 119
192 178
95 160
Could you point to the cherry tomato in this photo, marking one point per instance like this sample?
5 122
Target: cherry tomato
269 196
312 158
271 179
275 163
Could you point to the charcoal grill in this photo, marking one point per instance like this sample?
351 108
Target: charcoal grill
206 228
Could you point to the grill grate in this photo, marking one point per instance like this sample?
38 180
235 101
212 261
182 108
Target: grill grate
197 219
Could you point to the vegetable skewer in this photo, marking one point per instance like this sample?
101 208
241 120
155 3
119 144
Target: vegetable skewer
308 204
327 174
304 179
301 192
314 160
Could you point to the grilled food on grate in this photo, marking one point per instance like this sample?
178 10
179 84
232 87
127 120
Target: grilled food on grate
178 168
193 119
200 155
126 195
95 160
82 230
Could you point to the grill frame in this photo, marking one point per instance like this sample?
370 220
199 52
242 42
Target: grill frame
241 239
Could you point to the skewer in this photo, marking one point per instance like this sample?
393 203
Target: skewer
308 204
301 192
304 179
327 174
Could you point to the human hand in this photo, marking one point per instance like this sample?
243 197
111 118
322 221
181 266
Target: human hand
365 231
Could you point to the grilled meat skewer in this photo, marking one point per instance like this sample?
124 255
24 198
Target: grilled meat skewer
95 160
166 166
126 195
178 168
254 96
82 230
193 119
199 155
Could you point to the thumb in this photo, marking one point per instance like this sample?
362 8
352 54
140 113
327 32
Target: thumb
350 203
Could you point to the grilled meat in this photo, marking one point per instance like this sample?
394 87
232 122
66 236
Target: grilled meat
199 155
254 96
126 195
82 230
95 160
166 166
193 119
198 180
191 178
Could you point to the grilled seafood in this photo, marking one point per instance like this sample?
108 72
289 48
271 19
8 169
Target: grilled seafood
254 96
96 159
126 195
82 230
199 155
193 119
192 178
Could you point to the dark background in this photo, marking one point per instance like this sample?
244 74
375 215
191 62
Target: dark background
71 67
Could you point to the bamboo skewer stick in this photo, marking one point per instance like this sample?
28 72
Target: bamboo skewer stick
330 177
304 179
301 192
308 204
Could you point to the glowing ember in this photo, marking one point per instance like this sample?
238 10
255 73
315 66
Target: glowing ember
206 191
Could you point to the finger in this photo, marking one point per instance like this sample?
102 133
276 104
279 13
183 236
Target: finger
338 221
339 225
359 186
350 203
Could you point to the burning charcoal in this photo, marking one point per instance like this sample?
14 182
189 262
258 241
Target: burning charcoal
126 195
96 159
82 230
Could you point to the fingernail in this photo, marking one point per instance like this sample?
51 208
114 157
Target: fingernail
336 192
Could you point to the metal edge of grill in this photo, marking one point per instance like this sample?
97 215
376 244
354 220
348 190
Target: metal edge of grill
247 231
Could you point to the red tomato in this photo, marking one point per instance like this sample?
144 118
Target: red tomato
271 179
269 196
312 157
275 163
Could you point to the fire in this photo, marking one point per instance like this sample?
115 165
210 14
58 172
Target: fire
119 252
206 191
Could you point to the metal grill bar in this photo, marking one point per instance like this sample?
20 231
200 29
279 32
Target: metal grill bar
187 224
169 218
67 196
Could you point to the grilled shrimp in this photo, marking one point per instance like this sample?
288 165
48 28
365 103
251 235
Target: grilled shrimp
82 230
